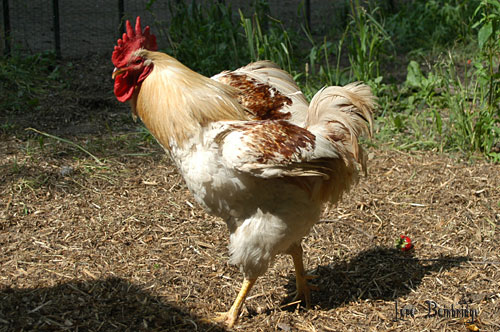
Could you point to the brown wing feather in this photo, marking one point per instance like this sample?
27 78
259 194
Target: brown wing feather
270 148
278 140
263 101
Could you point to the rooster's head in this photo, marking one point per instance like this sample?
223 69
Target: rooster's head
131 68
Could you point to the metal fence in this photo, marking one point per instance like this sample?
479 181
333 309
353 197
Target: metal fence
71 28
75 28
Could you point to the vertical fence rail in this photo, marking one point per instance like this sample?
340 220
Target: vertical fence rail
121 14
6 26
57 31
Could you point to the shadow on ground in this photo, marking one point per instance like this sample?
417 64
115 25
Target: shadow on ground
100 305
376 274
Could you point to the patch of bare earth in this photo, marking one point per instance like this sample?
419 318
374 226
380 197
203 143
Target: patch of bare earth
120 245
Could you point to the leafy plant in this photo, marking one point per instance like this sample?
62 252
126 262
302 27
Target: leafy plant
474 96
473 122
203 36
319 68
23 79
431 24
274 44
488 38
368 41
452 103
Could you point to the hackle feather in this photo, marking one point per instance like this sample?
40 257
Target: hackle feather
172 114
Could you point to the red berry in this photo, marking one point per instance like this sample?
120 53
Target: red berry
404 243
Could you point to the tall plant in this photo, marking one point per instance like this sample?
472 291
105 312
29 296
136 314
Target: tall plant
368 42
485 127
203 35
272 44
489 43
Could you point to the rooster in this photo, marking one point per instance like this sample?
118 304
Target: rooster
249 147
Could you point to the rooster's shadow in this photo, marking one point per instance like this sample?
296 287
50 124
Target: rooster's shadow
111 304
376 274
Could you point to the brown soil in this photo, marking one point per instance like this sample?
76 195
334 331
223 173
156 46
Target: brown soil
118 244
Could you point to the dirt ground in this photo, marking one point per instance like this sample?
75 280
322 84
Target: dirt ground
111 240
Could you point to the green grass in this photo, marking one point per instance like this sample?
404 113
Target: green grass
272 44
426 25
203 35
454 104
433 65
24 79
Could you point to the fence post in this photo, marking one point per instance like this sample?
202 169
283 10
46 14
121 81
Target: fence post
121 18
6 26
57 32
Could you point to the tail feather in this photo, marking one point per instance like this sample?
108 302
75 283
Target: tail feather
343 114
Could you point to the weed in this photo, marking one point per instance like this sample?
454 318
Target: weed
455 105
367 43
274 44
318 67
63 140
431 24
451 103
473 96
15 167
203 35
24 79
488 38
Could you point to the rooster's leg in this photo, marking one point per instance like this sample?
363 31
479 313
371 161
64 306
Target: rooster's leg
230 317
303 292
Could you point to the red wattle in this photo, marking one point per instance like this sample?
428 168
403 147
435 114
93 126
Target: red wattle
123 88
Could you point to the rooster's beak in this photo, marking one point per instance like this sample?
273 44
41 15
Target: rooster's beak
117 72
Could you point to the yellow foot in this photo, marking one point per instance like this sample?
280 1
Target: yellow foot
230 317
226 318
303 292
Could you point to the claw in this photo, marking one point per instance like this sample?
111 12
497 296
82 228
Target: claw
226 318
230 317
303 292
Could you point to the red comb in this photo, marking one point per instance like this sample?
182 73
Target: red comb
131 41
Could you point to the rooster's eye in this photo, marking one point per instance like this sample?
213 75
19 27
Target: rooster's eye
137 61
